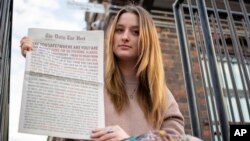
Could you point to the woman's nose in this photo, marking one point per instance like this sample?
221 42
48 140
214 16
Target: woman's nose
125 36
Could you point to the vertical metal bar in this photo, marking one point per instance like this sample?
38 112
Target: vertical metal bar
191 64
200 62
229 61
6 10
247 37
240 66
186 69
211 92
213 69
246 32
238 50
244 11
217 44
205 71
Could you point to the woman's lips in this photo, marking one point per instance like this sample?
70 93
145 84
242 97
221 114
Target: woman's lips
124 46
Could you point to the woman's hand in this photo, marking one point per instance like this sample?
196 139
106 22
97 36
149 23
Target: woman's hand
26 45
110 133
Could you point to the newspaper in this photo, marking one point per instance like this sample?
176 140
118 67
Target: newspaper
63 84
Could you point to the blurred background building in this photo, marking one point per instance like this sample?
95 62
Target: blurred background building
206 52
5 52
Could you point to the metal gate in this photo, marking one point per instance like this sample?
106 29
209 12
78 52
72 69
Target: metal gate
221 33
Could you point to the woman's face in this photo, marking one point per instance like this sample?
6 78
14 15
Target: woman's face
126 37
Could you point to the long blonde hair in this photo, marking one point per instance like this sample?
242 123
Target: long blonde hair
152 86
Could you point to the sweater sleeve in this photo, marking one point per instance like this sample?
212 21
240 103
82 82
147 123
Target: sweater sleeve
173 122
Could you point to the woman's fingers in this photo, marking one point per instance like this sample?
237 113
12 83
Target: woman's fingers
111 133
109 137
98 132
26 45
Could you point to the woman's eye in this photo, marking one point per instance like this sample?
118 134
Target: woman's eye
136 32
118 30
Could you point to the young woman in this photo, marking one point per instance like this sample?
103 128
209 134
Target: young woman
137 99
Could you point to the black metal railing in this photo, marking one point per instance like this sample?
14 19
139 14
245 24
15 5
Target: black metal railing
6 8
222 42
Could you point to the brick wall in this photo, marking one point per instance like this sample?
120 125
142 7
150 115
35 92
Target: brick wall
175 79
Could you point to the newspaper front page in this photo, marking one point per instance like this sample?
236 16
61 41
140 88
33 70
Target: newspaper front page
63 84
